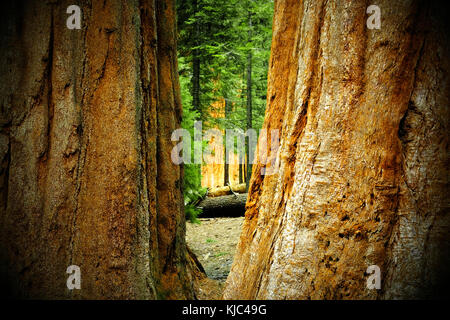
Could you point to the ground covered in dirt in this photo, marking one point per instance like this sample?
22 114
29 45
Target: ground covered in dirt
214 242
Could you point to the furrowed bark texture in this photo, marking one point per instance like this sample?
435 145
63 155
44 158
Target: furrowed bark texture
86 177
363 160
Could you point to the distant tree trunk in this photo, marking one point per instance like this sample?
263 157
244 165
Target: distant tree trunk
241 180
242 152
226 175
196 64
244 169
249 102
363 159
86 175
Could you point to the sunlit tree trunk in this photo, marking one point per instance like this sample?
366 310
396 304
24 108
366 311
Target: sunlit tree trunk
363 163
86 175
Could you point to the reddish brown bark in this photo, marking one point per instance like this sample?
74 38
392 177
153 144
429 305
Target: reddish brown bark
363 161
86 176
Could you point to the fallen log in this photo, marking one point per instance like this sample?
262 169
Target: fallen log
222 191
223 206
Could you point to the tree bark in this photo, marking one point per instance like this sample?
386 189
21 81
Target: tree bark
86 175
363 161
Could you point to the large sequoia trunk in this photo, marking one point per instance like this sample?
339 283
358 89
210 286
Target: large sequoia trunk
363 160
86 177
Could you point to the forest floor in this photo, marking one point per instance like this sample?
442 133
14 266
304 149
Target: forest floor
214 243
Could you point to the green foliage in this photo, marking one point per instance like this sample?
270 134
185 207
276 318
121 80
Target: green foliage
218 34
192 213
223 253
192 188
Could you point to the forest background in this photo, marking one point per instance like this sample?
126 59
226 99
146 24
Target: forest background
223 59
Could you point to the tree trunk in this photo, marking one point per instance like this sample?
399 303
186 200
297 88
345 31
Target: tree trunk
249 103
86 175
221 191
223 206
241 180
363 162
226 165
196 64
